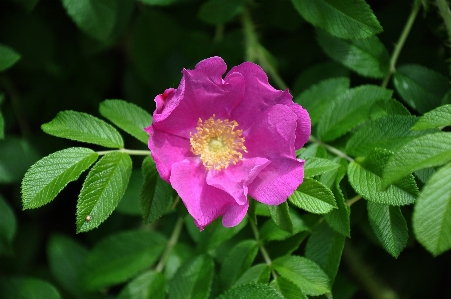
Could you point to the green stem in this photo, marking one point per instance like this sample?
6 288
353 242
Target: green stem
263 250
331 149
402 39
171 243
127 151
353 200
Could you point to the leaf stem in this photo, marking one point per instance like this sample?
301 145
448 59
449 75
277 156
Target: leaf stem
331 149
353 200
263 250
127 151
402 39
171 243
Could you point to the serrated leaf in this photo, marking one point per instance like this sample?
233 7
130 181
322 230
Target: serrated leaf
313 197
387 107
304 273
367 57
317 97
193 280
47 177
389 226
390 132
251 291
288 289
341 18
102 190
349 110
422 88
315 166
7 227
148 285
220 11
118 257
127 116
83 127
21 287
280 214
324 247
237 261
422 152
156 195
432 213
255 274
438 117
365 176
8 57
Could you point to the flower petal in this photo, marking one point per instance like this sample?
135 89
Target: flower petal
235 179
303 128
234 214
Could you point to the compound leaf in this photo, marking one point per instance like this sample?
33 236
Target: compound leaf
314 197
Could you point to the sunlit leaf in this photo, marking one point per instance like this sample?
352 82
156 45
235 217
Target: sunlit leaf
316 166
288 289
314 197
255 274
438 117
251 291
280 214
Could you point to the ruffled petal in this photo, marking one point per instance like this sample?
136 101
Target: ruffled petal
205 203
235 179
303 128
234 214
277 181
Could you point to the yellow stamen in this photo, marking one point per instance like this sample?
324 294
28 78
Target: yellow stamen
217 143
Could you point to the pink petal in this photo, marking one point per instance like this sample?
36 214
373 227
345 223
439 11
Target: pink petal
303 129
277 181
234 214
235 179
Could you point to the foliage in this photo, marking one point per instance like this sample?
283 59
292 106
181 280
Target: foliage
84 213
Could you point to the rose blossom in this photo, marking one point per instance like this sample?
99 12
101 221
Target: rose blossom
217 140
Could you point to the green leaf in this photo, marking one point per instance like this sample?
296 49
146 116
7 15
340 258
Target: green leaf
432 213
280 214
288 289
215 234
367 57
118 257
102 190
389 226
29 288
317 98
271 231
16 156
129 203
148 285
317 73
313 197
311 151
365 176
304 273
193 279
251 291
47 177
422 88
158 2
83 127
387 107
8 57
127 116
422 152
7 227
255 274
324 247
339 219
438 117
341 18
156 195
2 127
237 261
315 166
178 255
218 12
390 132
349 110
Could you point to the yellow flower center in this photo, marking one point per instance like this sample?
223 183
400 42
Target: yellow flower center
217 143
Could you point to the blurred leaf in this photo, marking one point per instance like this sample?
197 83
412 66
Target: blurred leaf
8 57
280 214
367 57
432 213
251 291
317 73
339 219
148 285
313 197
156 195
389 226
387 107
102 190
29 288
178 255
304 273
158 2
316 166
365 176
271 231
2 127
193 280
215 234
28 5
349 110
440 116
237 261
421 88
127 116
342 18
7 227
120 256
288 289
45 179
129 203
83 127
16 156
422 152
256 274
220 11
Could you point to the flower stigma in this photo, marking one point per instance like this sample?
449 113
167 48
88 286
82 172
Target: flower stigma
217 143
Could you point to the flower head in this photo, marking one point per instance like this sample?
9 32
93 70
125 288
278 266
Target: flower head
217 140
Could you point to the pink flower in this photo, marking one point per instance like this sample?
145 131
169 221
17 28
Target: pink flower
217 140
